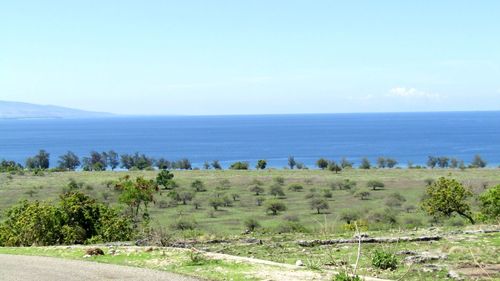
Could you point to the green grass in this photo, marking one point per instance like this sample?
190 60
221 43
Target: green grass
409 183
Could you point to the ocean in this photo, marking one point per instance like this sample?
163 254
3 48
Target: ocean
403 136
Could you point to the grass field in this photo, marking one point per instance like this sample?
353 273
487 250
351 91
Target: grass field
473 256
228 220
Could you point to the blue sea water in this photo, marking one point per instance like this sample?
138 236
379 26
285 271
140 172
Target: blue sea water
403 136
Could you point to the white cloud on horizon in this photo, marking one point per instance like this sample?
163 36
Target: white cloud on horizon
412 93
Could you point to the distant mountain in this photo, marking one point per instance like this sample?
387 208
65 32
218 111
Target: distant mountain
21 110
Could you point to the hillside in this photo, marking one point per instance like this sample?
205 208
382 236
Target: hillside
20 110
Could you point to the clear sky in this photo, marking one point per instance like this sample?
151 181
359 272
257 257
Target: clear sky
251 57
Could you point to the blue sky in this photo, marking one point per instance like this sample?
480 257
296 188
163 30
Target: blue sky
252 57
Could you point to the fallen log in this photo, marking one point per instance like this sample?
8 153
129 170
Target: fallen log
312 243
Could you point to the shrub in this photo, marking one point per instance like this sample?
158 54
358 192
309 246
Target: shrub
327 193
349 215
374 184
296 187
275 206
251 224
319 204
184 224
386 216
165 179
384 260
343 276
261 164
279 180
276 190
239 166
75 219
395 200
490 203
363 195
322 163
216 202
291 227
259 200
257 189
446 197
198 186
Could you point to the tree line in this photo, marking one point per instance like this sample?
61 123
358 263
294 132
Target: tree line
111 160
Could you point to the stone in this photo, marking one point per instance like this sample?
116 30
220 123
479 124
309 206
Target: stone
299 263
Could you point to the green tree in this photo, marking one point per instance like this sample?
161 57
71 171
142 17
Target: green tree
136 194
275 206
319 204
445 197
381 162
432 162
365 164
198 186
261 164
322 163
276 190
40 161
391 163
112 158
165 179
239 166
291 162
490 203
345 163
374 184
334 167
216 202
257 189
69 161
251 224
478 162
216 165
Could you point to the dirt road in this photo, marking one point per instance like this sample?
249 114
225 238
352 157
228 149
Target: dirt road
28 268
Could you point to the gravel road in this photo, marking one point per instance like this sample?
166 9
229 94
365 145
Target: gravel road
28 268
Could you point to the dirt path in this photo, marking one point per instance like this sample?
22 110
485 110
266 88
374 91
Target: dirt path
27 268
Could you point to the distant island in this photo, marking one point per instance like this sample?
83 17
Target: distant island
21 110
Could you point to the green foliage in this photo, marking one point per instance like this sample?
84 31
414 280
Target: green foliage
261 164
296 187
10 167
198 186
349 216
275 206
384 260
165 179
343 276
184 224
490 203
365 164
69 161
276 190
445 197
319 204
74 220
291 227
257 189
395 200
216 202
239 166
136 194
363 195
478 162
374 184
334 167
40 161
251 224
322 163
345 184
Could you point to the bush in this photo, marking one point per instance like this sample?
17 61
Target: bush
76 219
239 166
251 224
275 206
490 203
386 216
184 224
198 186
343 276
291 227
374 184
446 197
276 190
384 260
296 187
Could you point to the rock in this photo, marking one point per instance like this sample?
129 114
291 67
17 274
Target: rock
94 252
407 252
362 235
147 250
251 241
299 263
87 256
454 275
424 257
